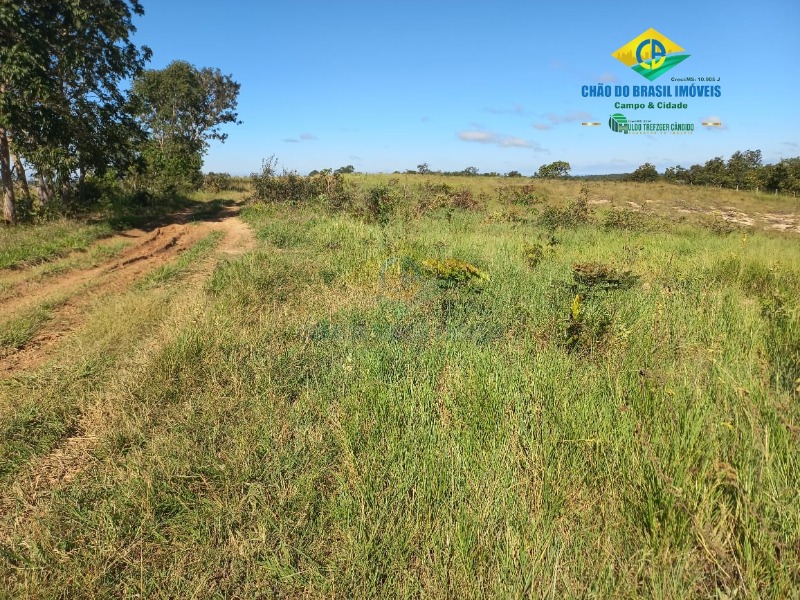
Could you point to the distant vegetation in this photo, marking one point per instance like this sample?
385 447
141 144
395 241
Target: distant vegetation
744 170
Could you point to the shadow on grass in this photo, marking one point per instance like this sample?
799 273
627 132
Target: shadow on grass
177 209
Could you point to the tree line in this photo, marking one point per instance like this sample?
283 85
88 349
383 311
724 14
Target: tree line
744 170
66 116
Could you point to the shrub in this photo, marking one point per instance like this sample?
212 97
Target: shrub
217 182
593 275
524 195
463 198
573 214
586 328
382 201
452 271
533 254
290 187
624 219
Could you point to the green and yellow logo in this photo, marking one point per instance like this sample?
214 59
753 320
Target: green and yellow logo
650 54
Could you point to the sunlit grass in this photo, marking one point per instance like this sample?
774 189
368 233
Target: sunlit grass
609 412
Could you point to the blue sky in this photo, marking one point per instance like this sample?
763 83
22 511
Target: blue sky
385 86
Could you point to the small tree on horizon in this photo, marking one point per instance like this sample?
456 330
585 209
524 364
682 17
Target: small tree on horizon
645 172
554 170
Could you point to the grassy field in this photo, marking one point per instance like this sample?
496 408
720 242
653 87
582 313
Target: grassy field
566 390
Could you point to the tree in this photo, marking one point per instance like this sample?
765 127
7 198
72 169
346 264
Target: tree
676 174
423 169
182 108
470 171
345 170
743 168
513 174
645 172
554 170
61 64
715 173
783 177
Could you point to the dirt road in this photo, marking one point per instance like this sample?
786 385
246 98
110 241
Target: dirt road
68 295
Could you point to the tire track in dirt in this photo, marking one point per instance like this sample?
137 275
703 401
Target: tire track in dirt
73 455
84 287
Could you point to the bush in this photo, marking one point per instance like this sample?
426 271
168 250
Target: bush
382 201
524 195
591 275
533 254
217 182
288 186
575 213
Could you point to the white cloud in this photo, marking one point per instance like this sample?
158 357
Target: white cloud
513 142
570 117
483 137
490 137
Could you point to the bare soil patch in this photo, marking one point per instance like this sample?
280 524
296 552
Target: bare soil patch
75 291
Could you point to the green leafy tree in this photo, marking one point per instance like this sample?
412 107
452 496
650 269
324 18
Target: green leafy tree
61 64
345 170
676 174
513 174
423 169
715 172
645 172
554 170
743 168
182 108
783 177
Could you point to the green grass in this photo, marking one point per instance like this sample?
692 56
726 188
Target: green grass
87 259
29 244
323 423
19 330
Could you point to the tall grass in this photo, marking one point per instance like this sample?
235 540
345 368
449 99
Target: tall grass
326 423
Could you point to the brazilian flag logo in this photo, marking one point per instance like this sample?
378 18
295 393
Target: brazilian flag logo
650 54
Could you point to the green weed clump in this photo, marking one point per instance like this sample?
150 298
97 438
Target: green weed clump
575 213
452 271
523 195
533 254
19 330
28 244
598 276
